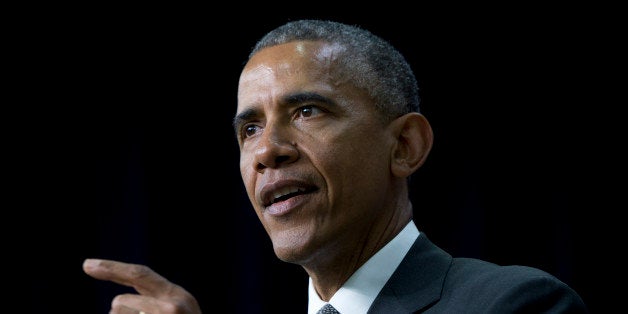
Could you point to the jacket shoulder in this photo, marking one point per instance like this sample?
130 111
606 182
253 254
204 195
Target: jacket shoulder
492 288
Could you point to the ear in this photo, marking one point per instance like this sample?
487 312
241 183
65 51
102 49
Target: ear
414 142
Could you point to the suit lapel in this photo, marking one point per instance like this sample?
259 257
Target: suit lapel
418 280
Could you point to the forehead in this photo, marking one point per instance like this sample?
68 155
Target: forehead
294 65
295 54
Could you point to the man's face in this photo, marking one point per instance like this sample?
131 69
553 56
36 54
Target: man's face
315 156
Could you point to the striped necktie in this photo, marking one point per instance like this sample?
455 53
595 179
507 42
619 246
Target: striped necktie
327 309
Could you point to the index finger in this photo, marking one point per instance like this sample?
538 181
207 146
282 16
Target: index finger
141 277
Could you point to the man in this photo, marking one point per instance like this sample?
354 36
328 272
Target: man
329 131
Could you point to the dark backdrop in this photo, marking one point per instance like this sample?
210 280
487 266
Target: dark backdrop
124 148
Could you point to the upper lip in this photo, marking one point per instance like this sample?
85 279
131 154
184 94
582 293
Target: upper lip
271 192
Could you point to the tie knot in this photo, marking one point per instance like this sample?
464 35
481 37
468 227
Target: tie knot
328 309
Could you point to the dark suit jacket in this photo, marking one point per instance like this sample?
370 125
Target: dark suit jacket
429 280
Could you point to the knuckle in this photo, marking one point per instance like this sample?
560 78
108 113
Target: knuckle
140 271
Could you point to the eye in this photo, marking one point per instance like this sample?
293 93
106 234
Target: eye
308 111
250 130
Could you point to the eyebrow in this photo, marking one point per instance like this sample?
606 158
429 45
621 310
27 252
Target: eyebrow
291 99
242 117
307 97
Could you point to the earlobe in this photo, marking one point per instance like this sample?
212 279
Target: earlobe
414 142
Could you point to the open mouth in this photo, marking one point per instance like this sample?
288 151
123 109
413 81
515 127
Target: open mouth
285 193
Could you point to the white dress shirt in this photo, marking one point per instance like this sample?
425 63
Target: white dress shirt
361 289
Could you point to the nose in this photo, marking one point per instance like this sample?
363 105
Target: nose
275 148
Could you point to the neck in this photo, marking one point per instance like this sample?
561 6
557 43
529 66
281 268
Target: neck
330 273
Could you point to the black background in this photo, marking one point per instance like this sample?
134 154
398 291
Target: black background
123 148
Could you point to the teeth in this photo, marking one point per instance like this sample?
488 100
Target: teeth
285 191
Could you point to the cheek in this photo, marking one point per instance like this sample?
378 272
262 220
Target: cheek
337 163
248 174
358 157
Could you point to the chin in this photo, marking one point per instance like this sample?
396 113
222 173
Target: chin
289 252
292 248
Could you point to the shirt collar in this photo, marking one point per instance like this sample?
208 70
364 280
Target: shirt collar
359 292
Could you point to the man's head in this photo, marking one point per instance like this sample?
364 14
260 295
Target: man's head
328 134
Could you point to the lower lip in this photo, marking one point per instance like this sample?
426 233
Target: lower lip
285 207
